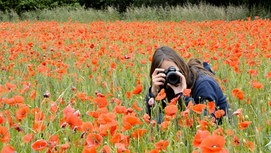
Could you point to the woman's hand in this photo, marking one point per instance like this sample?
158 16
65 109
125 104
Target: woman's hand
178 88
157 80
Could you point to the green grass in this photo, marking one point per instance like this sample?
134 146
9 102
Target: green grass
188 12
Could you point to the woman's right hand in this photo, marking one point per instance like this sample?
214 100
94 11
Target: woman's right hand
158 80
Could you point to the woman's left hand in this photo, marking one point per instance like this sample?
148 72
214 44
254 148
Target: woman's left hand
178 88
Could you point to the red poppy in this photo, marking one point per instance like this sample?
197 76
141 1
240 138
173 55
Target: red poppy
101 102
73 120
22 113
94 139
136 107
4 135
65 146
138 133
173 100
89 149
39 145
213 144
146 118
138 89
128 94
105 149
211 107
7 149
218 131
108 119
244 124
161 145
161 95
238 112
186 92
171 110
28 138
129 121
87 127
199 137
120 138
219 113
198 108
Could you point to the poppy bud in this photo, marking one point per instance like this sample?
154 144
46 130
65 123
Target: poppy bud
46 95
83 135
73 88
151 102
77 113
75 129
63 125
129 110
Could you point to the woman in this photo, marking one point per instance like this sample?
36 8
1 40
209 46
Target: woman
195 75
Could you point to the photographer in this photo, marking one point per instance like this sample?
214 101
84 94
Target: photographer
196 75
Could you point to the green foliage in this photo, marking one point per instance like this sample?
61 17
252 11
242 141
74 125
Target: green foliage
20 6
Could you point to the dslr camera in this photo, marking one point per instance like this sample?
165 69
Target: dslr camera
171 76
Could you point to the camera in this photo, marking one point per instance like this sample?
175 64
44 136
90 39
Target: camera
171 76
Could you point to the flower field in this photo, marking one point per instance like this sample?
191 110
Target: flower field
74 87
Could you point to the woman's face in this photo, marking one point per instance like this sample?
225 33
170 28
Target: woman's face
167 63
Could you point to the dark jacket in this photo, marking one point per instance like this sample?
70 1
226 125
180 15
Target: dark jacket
205 89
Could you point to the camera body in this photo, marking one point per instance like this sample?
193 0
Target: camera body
171 76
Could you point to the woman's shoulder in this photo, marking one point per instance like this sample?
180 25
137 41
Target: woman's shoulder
203 80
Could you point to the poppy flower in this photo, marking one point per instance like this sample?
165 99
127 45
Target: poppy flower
173 100
199 137
219 113
138 133
198 108
87 127
136 107
146 118
120 138
211 107
257 85
4 135
39 145
101 102
237 92
138 89
171 110
89 149
128 94
238 112
108 119
186 92
22 113
161 145
28 138
244 124
38 127
218 131
65 146
161 95
94 139
129 121
213 144
105 149
73 120
8 149
119 109
2 119
121 148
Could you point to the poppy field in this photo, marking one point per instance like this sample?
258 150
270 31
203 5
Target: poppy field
74 87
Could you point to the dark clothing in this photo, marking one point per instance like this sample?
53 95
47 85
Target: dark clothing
205 89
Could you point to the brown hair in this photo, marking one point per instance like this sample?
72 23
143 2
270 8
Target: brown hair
189 69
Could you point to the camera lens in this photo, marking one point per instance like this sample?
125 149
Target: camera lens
173 78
